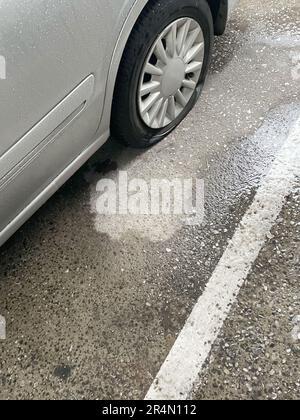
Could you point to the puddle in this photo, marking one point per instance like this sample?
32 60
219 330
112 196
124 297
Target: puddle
283 40
237 174
231 179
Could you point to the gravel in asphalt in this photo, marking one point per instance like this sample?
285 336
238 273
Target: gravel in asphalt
93 305
257 355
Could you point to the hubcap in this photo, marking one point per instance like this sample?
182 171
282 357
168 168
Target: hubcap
171 73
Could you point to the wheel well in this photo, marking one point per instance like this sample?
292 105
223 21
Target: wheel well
214 7
219 11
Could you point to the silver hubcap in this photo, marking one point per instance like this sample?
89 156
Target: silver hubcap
171 73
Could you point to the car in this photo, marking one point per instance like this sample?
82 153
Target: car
72 73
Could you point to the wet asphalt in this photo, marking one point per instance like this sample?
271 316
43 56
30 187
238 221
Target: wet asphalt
93 304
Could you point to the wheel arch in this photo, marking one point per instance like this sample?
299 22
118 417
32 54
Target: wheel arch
118 52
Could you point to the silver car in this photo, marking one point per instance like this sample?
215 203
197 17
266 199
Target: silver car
74 72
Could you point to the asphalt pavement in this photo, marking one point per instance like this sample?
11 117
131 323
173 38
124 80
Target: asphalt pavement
94 303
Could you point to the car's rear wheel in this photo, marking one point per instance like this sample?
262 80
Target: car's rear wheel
162 70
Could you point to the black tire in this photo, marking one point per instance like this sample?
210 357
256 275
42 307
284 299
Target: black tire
127 125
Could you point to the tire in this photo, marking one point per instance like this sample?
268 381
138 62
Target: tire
127 124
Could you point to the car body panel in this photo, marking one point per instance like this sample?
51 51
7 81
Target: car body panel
47 129
60 45
55 110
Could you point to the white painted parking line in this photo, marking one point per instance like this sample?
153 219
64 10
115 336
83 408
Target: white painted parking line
182 369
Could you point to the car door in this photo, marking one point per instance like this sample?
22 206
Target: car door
56 55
